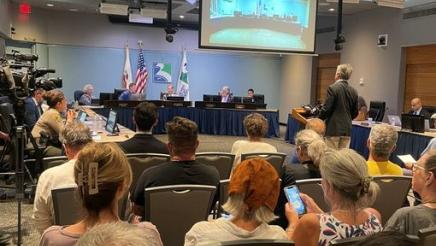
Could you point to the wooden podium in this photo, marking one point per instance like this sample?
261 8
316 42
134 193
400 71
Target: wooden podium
298 114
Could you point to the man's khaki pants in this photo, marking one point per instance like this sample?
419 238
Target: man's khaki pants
338 142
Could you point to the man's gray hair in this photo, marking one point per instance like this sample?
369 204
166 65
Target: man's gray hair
115 234
382 139
75 134
87 87
236 207
344 71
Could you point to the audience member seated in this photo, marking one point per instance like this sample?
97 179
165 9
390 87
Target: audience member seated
33 107
86 98
73 137
145 117
381 143
416 108
310 148
225 94
128 94
120 233
182 169
103 176
51 122
315 124
256 127
362 109
349 191
411 219
253 192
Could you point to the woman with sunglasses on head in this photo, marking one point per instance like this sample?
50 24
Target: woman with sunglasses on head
409 220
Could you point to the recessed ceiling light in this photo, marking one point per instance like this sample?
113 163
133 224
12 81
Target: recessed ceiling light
50 5
182 17
331 9
73 10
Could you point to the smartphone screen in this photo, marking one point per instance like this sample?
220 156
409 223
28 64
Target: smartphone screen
293 196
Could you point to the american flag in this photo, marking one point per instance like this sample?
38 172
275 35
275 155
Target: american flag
141 74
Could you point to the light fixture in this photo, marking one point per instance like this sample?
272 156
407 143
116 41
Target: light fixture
182 17
331 9
50 5
73 10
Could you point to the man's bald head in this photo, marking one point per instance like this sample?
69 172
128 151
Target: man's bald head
317 125
416 104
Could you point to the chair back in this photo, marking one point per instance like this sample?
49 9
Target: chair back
78 94
175 209
275 159
142 161
347 241
393 192
66 205
258 242
377 110
312 188
49 162
223 162
224 194
427 236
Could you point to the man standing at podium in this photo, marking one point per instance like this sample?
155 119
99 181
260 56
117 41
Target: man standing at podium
339 109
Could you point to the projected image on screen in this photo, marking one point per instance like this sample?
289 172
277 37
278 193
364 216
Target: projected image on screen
283 25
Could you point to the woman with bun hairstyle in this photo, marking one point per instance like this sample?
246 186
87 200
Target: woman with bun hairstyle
349 191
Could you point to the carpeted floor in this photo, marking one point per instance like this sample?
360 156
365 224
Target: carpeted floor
8 209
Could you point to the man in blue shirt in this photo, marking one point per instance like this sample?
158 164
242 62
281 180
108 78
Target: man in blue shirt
125 96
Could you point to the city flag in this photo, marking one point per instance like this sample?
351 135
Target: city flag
183 82
127 74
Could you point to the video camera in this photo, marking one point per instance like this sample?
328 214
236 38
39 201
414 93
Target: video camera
18 77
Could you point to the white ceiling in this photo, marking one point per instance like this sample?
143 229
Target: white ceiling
190 12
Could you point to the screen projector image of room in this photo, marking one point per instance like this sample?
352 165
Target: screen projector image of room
270 25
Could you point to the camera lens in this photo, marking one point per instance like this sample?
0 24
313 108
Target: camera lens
169 38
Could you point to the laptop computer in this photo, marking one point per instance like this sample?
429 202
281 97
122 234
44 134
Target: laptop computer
394 120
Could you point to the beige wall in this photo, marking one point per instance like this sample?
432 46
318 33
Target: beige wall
4 18
380 68
79 29
296 83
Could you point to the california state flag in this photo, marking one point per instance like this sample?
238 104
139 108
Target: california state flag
127 74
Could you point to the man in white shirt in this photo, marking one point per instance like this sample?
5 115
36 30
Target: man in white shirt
73 137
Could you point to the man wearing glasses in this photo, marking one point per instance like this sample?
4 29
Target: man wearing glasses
409 220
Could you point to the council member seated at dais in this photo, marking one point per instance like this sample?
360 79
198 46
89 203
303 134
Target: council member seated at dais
86 98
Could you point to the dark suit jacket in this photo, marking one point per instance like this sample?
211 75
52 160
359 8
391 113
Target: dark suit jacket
31 115
340 109
423 112
143 143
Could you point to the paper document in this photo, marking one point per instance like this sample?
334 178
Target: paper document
406 158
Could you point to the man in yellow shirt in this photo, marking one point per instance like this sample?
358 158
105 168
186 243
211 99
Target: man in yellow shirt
381 143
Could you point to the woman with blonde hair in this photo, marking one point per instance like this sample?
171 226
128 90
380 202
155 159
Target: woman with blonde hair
256 127
103 176
349 191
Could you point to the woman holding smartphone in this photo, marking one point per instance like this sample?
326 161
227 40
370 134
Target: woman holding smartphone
349 191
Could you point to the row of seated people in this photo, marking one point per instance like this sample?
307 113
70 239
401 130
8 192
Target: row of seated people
184 140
